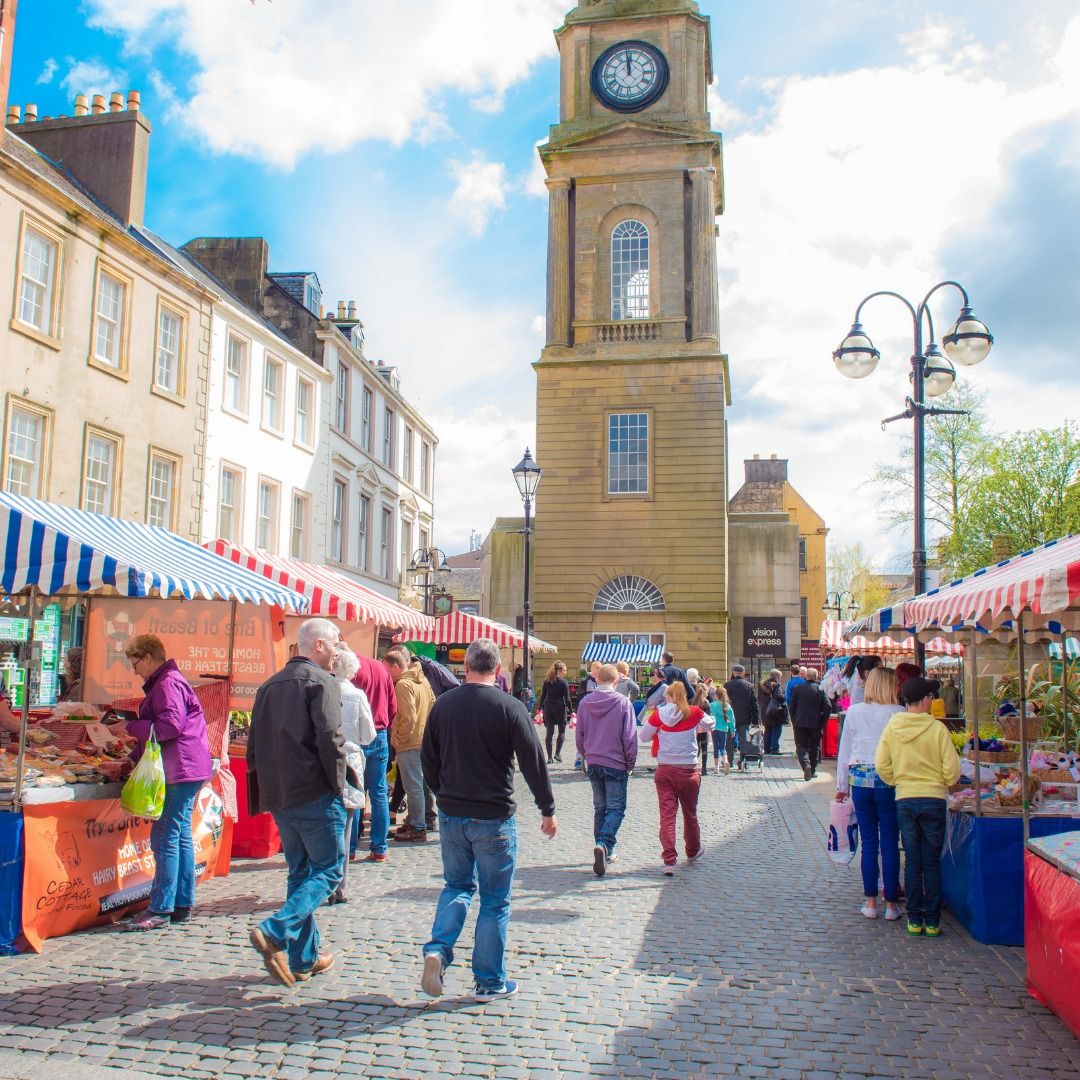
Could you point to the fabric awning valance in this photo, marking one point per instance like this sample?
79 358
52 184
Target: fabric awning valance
461 628
611 652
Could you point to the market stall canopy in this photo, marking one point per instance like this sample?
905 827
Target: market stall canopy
838 637
328 594
611 652
56 548
458 628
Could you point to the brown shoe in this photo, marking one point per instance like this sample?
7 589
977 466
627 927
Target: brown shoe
277 963
324 963
409 835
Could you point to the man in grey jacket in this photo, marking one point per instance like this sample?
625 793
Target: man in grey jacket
297 771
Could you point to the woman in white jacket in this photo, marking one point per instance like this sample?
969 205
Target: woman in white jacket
874 800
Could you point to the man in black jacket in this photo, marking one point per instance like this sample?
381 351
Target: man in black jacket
671 674
297 771
744 705
810 711
472 737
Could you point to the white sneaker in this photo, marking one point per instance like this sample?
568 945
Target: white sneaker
892 913
669 869
869 912
431 982
599 863
691 859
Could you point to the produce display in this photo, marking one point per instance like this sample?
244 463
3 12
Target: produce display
99 760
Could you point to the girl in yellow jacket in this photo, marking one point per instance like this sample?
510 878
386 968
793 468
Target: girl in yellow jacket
917 757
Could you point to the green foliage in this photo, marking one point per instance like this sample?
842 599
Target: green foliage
1028 494
850 570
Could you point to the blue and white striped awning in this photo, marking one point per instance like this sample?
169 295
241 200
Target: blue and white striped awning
611 652
56 547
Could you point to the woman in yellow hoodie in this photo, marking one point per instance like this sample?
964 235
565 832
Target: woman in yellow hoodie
917 757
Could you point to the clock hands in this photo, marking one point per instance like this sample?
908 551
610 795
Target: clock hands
629 60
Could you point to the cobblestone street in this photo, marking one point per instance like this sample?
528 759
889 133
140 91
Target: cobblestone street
754 962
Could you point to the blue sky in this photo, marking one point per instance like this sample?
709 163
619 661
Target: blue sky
390 147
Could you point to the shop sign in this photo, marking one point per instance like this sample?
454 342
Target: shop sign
764 637
90 863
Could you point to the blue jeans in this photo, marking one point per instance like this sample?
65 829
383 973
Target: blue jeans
313 837
376 755
772 738
475 851
412 779
922 827
609 803
174 853
875 809
723 745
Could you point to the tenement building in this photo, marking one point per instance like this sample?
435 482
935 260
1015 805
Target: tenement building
631 527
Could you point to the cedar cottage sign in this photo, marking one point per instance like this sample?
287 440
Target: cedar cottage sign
763 637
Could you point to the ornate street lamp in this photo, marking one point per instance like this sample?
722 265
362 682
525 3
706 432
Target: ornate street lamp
932 374
428 563
843 603
527 477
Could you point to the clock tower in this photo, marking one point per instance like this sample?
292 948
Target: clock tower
631 527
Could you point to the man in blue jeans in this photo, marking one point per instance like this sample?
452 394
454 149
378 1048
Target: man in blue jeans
297 770
472 737
375 681
606 738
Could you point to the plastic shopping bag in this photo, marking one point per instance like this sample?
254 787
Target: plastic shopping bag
144 792
843 832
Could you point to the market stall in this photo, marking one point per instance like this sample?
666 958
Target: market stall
357 611
1026 781
76 857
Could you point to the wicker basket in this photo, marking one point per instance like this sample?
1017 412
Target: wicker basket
1010 728
1053 776
988 757
1015 801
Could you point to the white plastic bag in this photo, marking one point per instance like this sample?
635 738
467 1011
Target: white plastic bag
843 832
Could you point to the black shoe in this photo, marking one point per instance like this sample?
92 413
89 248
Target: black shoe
181 914
549 761
806 771
558 758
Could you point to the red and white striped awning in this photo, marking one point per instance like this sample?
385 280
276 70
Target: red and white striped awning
1044 581
331 595
834 643
460 628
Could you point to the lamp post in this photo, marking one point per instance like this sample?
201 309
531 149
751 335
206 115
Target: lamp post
932 374
428 563
527 477
840 602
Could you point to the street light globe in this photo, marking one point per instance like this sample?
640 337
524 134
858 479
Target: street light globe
856 357
939 375
969 341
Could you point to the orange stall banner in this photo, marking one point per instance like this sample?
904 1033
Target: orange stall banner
195 634
90 863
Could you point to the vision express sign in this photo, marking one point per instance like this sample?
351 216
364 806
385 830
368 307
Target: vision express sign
764 637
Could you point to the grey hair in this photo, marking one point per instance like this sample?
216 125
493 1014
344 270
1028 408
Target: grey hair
345 663
776 673
312 630
693 674
483 656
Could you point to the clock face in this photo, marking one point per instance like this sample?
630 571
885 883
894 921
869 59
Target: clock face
630 76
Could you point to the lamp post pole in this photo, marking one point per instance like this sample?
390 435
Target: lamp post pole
834 601
932 374
527 477
428 563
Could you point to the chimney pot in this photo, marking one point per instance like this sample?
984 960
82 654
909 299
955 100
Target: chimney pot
352 309
116 102
757 457
772 457
31 113
82 105
14 114
341 309
134 100
98 104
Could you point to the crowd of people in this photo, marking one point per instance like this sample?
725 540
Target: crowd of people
325 728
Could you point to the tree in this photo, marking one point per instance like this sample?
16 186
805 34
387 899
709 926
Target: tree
849 570
1028 494
955 459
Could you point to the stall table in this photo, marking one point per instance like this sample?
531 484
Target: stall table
1052 923
254 836
982 871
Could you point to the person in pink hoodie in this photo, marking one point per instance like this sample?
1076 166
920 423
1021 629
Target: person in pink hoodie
606 739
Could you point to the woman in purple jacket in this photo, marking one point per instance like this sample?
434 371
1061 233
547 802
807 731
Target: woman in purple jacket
172 710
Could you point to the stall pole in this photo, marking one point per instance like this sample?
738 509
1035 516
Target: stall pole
1024 804
232 640
1064 693
975 721
24 720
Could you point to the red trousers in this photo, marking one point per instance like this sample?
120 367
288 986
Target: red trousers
678 785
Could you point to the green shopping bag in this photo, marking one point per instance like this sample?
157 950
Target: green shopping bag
144 791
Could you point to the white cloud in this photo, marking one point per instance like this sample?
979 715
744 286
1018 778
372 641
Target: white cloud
93 77
481 190
535 181
859 181
276 81
48 70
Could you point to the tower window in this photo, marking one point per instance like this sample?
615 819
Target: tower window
628 593
630 271
628 453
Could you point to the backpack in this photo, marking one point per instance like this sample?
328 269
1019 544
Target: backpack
777 710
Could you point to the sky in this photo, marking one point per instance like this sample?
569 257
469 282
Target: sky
391 147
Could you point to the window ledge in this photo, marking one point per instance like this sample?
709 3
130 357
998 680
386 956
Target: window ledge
229 411
120 373
306 447
168 395
276 432
37 335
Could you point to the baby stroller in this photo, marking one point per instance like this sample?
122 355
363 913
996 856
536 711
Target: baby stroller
752 749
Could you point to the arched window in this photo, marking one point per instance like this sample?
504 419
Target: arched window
628 593
630 271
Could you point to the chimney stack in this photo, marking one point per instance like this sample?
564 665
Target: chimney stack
7 39
106 149
341 309
14 114
352 309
